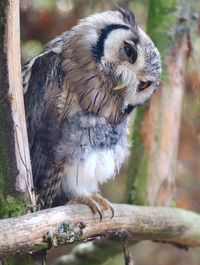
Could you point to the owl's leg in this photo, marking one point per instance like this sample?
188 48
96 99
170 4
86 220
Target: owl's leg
96 202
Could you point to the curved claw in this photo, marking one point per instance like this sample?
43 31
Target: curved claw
94 206
112 212
97 204
90 202
105 204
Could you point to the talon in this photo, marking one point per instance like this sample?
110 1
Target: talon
91 203
96 203
105 204
94 206
112 212
101 214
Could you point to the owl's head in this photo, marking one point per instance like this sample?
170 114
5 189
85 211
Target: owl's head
118 62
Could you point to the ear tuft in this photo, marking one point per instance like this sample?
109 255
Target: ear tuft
128 16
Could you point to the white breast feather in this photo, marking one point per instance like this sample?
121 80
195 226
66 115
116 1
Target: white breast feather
98 166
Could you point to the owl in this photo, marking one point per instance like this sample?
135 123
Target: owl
78 95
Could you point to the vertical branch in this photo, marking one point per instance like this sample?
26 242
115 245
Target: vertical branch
15 167
15 94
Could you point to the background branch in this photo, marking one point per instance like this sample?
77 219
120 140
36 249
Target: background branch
92 252
66 224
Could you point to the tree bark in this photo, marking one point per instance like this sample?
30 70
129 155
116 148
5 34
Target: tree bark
15 166
24 182
8 165
66 224
16 187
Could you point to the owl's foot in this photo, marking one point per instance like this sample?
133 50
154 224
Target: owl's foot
96 202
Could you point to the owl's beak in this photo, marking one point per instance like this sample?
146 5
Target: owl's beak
119 87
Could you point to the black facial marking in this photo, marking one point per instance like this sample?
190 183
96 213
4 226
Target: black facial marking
128 109
98 49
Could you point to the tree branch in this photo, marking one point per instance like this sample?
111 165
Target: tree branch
16 185
66 224
24 182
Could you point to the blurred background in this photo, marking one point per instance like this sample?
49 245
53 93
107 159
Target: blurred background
42 20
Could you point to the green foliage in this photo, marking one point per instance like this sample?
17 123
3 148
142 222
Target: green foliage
20 260
117 260
11 206
31 48
11 202
43 4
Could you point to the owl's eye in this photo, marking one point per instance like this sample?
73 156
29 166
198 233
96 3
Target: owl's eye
131 52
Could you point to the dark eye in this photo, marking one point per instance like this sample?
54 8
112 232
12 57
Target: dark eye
131 52
128 50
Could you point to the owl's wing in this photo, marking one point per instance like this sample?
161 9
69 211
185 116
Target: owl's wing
42 82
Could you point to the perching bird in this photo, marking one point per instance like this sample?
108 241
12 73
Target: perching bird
78 94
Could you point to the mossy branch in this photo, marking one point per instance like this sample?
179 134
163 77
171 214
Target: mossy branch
66 224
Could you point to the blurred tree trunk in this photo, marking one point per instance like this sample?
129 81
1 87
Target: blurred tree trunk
156 135
16 189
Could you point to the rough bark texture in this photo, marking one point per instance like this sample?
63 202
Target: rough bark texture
15 167
8 166
66 224
159 125
15 94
